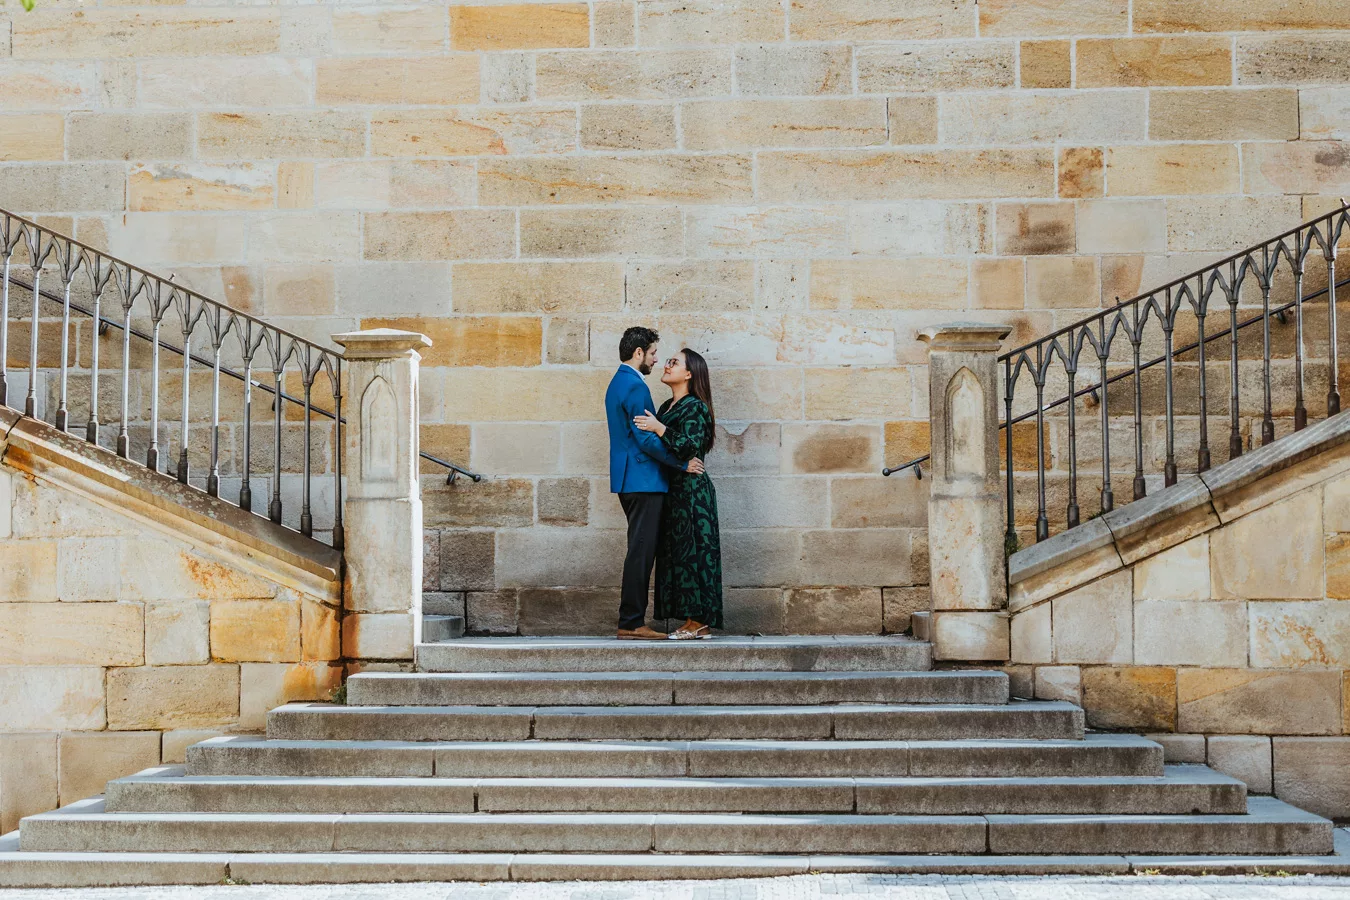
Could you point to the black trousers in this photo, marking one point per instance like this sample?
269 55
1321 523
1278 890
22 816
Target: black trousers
644 524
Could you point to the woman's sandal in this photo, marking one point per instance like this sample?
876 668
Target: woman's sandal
700 634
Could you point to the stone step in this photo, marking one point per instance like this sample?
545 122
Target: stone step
920 623
1096 754
1271 828
1021 719
442 628
722 654
1183 789
672 688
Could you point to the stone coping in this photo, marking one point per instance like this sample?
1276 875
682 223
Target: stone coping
164 504
1196 504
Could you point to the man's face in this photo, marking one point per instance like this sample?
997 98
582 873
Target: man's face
648 360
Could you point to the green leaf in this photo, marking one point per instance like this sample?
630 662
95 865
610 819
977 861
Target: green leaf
28 4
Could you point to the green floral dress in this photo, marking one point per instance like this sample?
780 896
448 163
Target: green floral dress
689 551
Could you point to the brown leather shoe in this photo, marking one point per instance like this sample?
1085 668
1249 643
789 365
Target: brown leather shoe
644 633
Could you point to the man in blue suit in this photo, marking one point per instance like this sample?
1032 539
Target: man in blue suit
637 473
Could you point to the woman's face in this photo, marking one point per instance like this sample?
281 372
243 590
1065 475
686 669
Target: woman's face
676 372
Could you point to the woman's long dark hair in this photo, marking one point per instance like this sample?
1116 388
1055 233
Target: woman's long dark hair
700 385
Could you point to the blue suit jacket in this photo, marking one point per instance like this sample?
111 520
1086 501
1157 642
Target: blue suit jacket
637 459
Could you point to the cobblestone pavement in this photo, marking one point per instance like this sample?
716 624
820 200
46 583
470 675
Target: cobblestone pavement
804 887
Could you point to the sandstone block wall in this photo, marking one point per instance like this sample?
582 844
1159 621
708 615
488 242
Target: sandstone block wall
792 188
121 644
1225 630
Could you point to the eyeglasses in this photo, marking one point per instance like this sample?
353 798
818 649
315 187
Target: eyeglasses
673 362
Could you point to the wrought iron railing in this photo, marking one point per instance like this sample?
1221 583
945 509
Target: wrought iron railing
57 368
1288 277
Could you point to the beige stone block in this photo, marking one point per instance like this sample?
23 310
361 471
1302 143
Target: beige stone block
1181 748
414 288
1214 15
28 777
1130 697
298 289
1293 59
1323 114
1156 170
863 557
492 612
1336 504
177 239
164 697
1180 573
762 557
33 137
1064 577
37 698
616 179
89 760
253 135
100 634
834 611
525 26
564 501
926 66
567 342
970 636
907 440
776 69
48 85
582 612
1032 638
379 184
295 185
85 186
899 604
751 502
28 571
136 33
557 557
1227 223
1046 64
177 632
1063 282
998 283
1314 633
1059 683
473 395
1028 229
504 503
1244 757
467 561
784 283
451 234
912 120
1305 167
760 231
1094 623
714 286
158 570
831 449
6 504
255 630
758 394
476 341
1190 61
1041 118
1081 172
305 237
622 231
507 77
320 633
833 340
1311 772
204 81
378 636
875 284
912 228
880 20
754 611
1225 115
873 175
1291 562
376 30
158 187
628 126
1190 633
749 124
453 78
1001 18
403 133
1251 701
614 23
265 686
674 23
618 75
1121 226
857 393
510 449
174 744
897 502
105 135
743 449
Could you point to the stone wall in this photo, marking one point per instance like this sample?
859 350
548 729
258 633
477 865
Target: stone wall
1216 614
122 642
793 189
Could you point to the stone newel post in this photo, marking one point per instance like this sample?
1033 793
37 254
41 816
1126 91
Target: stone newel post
383 504
966 505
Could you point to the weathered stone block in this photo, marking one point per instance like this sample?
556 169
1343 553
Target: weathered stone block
377 30
524 26
763 557
1121 226
160 570
413 132
99 634
1000 18
562 287
105 135
89 760
1027 229
1213 15
491 612
1227 223
452 234
320 632
604 179
834 611
93 34
616 75
437 79
378 636
998 283
1249 701
223 81
899 604
563 501
754 611
864 284
161 697
970 636
857 557
255 630
28 571
586 612
567 342
753 449
1006 118
174 744
507 77
1313 773
1224 115
1032 638
880 20
1130 697
628 126
1181 573
1190 61
1046 64
1181 748
624 231
177 632
1190 633
1245 757
831 449
1094 623
507 503
265 686
913 119
899 502
688 286
856 393
924 66
1311 633
1324 113
34 137
45 698
263 135
1290 564
1081 172
1063 282
664 23
28 777
945 174
1059 683
1151 171
557 557
614 23
1304 167
467 561
794 71
748 124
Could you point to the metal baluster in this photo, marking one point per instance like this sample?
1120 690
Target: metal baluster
1267 420
1203 460
1071 369
128 298
36 256
4 322
245 488
1136 337
188 319
217 336
157 318
278 369
1108 499
1010 539
1300 408
1038 377
1234 427
306 518
68 277
339 534
1168 323
100 283
1334 388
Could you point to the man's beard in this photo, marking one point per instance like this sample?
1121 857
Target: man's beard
644 368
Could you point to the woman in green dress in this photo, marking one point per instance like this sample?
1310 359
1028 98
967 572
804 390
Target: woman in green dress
689 550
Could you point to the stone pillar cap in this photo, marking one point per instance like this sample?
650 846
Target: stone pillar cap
380 343
965 335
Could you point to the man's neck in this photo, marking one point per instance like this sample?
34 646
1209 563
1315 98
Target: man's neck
633 366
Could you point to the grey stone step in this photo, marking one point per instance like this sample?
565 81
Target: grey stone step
1272 828
1183 789
672 688
1097 754
442 628
721 654
1022 719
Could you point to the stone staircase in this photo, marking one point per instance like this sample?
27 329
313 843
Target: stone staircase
553 758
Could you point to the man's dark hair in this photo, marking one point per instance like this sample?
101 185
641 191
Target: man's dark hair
635 339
